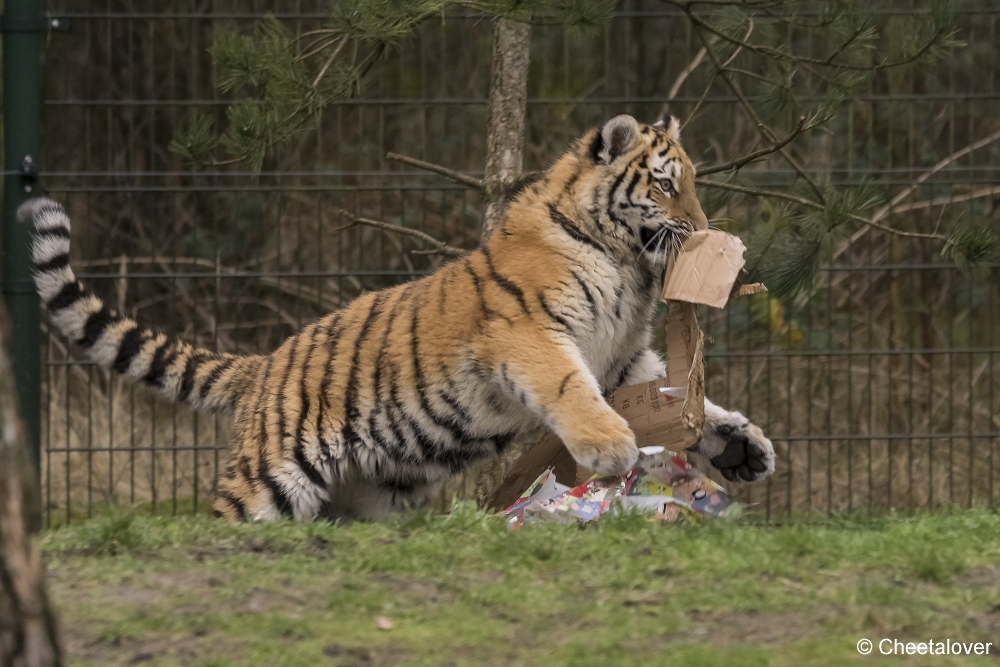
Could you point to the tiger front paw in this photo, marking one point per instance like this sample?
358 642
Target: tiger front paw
738 448
605 445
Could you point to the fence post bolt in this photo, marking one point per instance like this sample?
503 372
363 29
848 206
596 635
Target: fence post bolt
21 108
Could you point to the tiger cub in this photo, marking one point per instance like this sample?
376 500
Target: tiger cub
373 406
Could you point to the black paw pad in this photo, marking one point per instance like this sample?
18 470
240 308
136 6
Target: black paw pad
741 460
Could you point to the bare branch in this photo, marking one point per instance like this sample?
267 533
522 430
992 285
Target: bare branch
715 75
757 192
450 174
439 247
816 206
960 153
750 157
685 73
891 207
948 199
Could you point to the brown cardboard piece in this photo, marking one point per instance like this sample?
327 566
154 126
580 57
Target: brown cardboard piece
704 269
705 272
675 415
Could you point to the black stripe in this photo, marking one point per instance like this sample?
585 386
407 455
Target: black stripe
96 325
287 373
351 410
449 424
190 370
54 264
447 396
393 415
384 345
611 198
237 505
299 450
308 468
214 376
596 146
562 385
53 233
504 283
162 358
396 449
130 345
333 331
587 294
631 185
280 497
467 263
626 369
617 184
572 230
243 466
554 315
263 467
68 295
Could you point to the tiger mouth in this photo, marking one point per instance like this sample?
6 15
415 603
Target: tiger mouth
647 234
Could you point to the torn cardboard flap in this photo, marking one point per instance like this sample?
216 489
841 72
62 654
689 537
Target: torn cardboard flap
673 416
704 269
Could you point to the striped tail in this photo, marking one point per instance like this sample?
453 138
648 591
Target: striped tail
180 371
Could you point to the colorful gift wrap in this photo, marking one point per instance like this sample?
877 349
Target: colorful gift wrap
661 483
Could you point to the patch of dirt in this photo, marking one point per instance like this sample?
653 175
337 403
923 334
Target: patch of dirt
985 576
723 628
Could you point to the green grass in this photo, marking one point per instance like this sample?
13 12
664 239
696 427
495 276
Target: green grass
464 590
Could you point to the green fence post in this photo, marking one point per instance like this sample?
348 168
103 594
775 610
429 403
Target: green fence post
21 24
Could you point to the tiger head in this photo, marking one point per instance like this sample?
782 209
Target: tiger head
642 189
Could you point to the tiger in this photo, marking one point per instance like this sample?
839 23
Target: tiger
371 408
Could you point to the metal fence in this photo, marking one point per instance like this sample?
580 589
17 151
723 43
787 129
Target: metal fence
877 387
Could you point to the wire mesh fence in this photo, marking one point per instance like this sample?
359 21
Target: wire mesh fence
877 386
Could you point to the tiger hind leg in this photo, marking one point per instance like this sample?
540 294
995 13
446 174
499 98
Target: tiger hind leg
241 498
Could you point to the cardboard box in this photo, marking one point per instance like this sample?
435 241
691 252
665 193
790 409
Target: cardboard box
670 411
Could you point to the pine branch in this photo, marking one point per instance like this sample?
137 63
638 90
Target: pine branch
762 127
940 35
450 174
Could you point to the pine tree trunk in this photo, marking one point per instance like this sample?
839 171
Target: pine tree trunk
504 164
27 625
508 103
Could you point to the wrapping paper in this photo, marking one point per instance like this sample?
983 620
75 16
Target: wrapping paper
661 483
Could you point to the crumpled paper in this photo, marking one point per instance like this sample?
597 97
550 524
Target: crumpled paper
661 483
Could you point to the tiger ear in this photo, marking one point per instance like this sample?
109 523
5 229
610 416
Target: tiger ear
615 138
672 125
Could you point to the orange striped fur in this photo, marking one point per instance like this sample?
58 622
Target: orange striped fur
371 407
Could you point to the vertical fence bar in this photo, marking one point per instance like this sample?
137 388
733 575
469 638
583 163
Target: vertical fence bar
21 108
